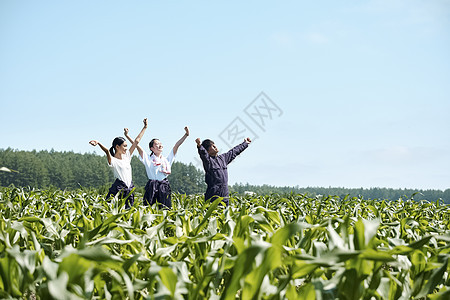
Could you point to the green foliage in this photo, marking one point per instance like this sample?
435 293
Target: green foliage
63 170
68 170
187 179
74 245
369 193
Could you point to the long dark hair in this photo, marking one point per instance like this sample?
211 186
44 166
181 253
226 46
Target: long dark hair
116 142
150 145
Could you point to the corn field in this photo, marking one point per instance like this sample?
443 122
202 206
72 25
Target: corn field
75 245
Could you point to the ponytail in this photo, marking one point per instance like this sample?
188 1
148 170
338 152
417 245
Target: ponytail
116 142
150 145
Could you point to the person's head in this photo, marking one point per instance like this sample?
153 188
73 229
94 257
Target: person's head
119 145
210 147
156 147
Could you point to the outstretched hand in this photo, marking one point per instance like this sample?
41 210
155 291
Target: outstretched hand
93 143
247 140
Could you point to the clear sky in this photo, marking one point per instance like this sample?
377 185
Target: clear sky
356 93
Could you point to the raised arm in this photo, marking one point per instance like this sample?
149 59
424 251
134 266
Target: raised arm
183 138
199 142
231 155
108 155
138 138
140 150
204 156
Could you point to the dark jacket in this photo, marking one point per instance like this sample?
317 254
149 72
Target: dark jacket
216 172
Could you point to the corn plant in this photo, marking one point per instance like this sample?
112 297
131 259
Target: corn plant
76 245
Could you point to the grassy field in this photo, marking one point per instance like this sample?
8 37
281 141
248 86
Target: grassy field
74 245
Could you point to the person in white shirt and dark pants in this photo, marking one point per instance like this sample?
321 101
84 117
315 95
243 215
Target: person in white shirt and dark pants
158 167
119 159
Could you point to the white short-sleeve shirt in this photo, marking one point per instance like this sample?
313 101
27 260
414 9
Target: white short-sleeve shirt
122 168
157 168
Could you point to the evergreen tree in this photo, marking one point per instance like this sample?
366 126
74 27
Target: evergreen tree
186 179
69 170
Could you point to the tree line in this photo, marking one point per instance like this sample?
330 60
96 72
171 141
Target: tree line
368 193
69 170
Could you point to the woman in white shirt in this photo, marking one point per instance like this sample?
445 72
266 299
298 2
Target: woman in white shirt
119 159
158 168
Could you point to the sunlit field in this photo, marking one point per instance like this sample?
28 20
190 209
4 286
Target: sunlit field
75 245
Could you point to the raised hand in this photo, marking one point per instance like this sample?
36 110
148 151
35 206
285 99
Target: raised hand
186 129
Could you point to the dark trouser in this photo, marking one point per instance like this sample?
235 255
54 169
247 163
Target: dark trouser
213 192
124 191
158 191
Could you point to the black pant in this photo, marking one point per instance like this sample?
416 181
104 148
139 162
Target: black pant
124 191
158 191
215 191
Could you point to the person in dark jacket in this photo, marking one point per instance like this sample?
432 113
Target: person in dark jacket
215 166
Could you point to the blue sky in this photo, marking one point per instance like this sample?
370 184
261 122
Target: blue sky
359 90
